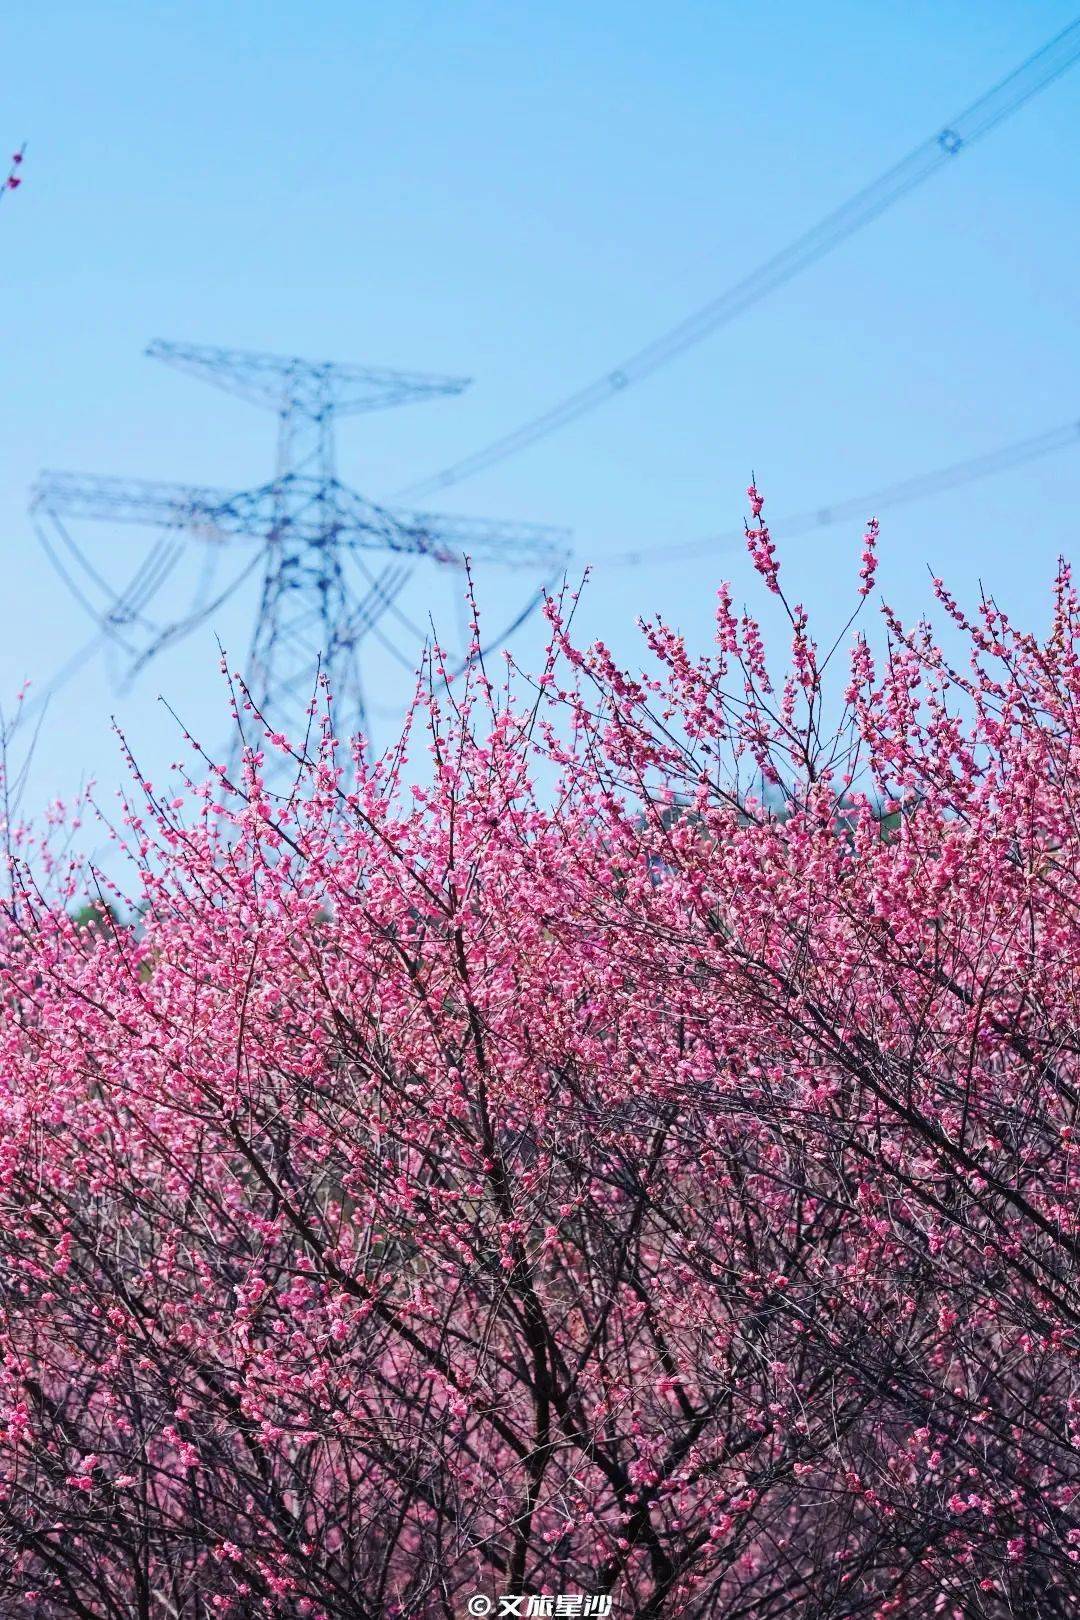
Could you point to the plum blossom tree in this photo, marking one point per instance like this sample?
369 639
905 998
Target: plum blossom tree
654 1187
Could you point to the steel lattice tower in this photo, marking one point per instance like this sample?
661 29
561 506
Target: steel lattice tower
318 596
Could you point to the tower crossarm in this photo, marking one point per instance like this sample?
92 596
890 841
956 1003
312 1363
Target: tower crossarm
131 500
312 388
537 546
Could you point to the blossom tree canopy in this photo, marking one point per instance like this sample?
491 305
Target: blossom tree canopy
661 1185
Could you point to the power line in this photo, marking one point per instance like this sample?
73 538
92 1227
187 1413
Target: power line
861 506
991 109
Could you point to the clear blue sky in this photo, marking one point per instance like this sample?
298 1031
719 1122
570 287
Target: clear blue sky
523 194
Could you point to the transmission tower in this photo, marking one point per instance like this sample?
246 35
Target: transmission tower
331 565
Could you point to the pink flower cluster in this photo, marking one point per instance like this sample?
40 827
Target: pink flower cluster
663 1185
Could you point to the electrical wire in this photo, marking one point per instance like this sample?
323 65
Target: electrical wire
1035 74
860 507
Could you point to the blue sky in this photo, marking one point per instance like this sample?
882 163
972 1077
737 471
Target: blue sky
523 194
